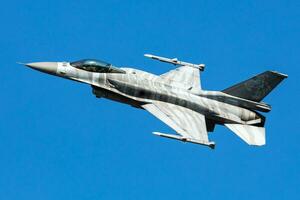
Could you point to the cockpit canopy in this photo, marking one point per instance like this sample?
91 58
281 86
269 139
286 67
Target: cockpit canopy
98 66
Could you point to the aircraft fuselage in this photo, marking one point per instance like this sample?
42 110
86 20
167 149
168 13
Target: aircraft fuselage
137 87
177 98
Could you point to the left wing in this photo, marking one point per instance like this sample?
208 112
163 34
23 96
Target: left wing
189 124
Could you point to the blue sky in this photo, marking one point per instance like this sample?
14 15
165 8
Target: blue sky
57 141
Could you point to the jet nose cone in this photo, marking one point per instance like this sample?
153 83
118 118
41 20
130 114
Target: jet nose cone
47 67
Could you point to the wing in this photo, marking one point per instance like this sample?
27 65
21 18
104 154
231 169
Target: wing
187 123
188 76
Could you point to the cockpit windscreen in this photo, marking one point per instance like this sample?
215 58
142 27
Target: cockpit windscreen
93 65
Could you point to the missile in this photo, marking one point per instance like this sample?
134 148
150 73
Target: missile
175 61
184 139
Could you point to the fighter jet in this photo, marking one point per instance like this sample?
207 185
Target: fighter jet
176 97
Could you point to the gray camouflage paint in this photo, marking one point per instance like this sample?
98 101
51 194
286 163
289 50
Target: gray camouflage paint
141 89
144 87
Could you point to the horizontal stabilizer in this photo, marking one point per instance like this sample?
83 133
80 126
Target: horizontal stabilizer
251 134
183 139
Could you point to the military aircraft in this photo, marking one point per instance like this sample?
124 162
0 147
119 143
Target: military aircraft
176 97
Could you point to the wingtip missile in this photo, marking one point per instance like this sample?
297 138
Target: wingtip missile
175 61
184 139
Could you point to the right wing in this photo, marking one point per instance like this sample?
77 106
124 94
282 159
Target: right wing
187 123
188 76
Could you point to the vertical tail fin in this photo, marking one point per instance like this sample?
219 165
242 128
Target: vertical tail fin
257 87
